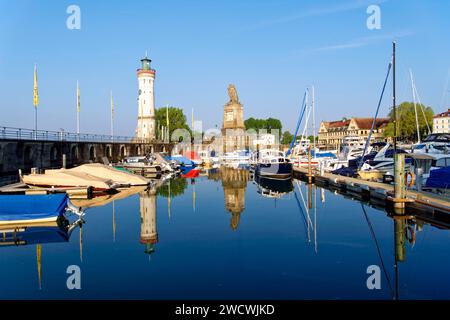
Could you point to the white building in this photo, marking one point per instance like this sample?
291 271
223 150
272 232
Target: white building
265 140
441 122
146 127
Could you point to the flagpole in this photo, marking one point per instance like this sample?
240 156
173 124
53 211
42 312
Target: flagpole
78 111
35 100
35 123
112 118
167 122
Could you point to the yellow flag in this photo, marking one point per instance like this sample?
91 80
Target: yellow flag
35 89
167 115
78 98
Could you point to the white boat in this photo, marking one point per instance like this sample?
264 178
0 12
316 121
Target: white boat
106 172
382 164
236 159
66 179
208 158
435 143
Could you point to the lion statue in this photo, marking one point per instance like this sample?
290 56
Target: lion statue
232 93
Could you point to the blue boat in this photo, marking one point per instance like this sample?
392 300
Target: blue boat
439 179
273 164
36 208
182 160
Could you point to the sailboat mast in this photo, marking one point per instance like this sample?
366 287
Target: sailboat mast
415 104
314 120
394 97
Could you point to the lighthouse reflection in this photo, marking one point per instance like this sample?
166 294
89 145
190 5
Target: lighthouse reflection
148 232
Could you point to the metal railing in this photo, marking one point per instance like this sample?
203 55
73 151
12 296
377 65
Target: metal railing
8 133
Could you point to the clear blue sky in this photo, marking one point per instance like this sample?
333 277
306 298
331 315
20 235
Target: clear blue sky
271 50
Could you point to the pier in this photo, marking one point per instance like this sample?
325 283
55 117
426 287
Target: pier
381 193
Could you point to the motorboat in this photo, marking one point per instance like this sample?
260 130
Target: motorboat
272 163
68 179
382 164
166 164
120 178
209 158
182 160
39 210
426 163
140 164
433 143
236 159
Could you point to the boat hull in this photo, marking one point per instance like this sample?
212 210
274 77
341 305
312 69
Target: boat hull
274 170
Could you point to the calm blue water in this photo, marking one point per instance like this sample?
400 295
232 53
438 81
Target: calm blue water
224 240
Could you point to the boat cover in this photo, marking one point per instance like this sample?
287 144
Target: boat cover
24 207
439 178
183 160
323 155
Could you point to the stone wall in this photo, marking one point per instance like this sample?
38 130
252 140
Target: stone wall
26 154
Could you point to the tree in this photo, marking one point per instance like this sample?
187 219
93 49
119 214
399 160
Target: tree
177 120
263 124
177 188
406 126
287 137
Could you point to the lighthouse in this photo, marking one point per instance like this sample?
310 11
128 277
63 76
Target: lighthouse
146 101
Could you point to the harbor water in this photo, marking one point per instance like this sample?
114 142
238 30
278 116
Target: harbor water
222 235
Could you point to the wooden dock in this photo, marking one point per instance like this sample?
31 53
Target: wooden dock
375 190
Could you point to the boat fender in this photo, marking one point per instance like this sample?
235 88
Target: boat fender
412 179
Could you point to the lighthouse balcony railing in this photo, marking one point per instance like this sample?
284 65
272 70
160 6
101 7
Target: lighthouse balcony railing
9 133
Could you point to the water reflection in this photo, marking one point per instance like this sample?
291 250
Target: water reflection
272 188
234 184
351 236
37 234
149 234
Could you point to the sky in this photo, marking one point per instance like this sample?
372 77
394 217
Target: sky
271 50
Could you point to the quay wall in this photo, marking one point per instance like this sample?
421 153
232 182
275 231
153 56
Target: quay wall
27 154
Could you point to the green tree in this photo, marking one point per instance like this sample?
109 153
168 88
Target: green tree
311 139
177 120
177 188
287 137
406 126
259 124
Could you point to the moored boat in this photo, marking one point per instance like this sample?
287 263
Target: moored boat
18 210
67 179
107 172
273 164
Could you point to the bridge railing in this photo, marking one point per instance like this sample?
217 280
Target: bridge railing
8 133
